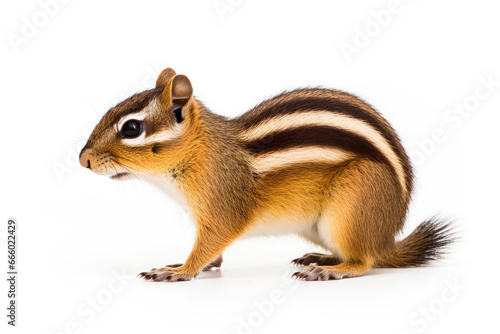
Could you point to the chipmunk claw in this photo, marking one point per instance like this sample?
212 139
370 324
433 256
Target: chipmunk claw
299 275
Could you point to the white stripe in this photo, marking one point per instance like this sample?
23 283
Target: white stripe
271 161
140 115
328 118
158 137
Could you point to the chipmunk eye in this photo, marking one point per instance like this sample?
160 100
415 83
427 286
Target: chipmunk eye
131 129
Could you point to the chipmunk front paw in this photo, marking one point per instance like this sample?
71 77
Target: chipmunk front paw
165 274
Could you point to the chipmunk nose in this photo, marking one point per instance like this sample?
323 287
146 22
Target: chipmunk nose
85 157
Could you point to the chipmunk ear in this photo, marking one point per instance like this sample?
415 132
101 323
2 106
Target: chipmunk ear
165 76
181 90
176 97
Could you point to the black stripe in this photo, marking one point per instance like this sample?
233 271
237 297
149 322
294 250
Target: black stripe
299 104
320 136
268 110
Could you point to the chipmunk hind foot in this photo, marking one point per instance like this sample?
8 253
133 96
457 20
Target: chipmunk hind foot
324 273
317 258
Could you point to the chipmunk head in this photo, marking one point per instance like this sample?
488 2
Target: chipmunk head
146 133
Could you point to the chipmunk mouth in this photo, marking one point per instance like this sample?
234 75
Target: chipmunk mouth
120 176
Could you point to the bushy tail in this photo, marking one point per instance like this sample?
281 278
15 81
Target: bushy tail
426 243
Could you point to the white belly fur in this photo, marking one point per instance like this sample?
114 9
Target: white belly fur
273 226
312 229
168 186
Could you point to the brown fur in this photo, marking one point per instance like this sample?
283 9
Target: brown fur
354 209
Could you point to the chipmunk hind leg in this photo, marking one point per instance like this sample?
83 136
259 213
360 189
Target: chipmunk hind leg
364 212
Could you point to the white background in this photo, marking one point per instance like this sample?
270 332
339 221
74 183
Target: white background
77 230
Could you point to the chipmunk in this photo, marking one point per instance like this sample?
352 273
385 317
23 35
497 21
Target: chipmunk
319 163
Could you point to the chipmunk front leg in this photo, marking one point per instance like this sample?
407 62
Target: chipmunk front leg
206 254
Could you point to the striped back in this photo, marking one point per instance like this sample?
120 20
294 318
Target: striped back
316 125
